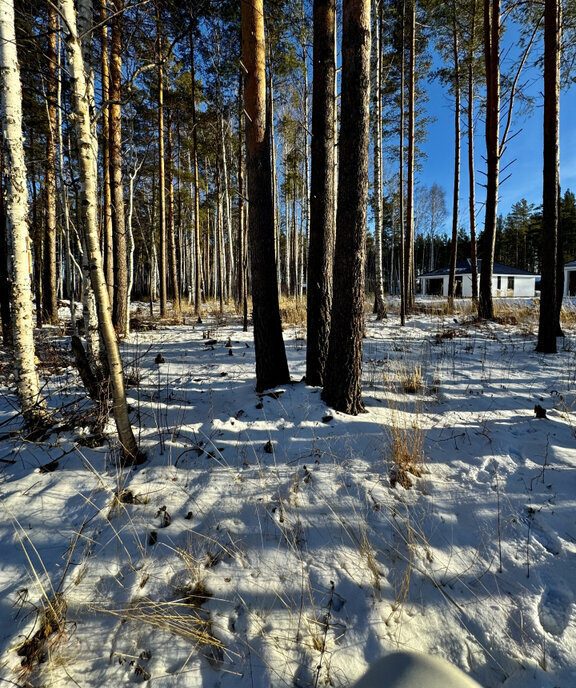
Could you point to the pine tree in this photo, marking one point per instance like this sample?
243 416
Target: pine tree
271 362
322 201
343 375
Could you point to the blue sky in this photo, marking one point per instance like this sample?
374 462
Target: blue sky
524 152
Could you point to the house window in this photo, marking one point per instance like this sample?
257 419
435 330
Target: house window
498 283
511 284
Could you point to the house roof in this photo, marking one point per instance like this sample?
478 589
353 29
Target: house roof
571 264
464 267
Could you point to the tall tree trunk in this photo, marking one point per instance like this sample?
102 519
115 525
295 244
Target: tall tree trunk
87 170
120 302
456 190
197 256
171 229
549 325
409 233
343 373
5 316
322 188
492 66
242 268
271 362
162 259
379 306
471 170
49 299
108 233
402 270
28 390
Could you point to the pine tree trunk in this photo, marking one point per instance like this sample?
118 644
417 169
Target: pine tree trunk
401 214
271 362
162 258
120 301
549 313
409 233
108 234
197 255
343 374
456 189
171 229
49 291
471 169
492 66
87 171
379 306
322 201
28 390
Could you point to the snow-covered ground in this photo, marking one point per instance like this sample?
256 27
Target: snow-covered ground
262 543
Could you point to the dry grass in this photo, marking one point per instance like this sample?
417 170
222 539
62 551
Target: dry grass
293 311
406 450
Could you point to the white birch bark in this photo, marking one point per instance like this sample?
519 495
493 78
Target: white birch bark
16 209
87 168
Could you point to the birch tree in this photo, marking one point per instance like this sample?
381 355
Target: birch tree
16 212
89 203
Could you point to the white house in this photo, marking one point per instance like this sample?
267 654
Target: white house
506 281
570 278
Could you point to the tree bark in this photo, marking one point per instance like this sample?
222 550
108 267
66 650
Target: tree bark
401 170
108 238
87 171
197 256
170 228
456 189
162 262
28 390
271 362
5 316
492 68
49 290
409 234
322 201
379 305
120 301
549 313
471 170
343 374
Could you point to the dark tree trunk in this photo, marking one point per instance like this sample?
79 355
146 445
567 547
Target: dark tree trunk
271 362
471 170
409 233
197 256
549 322
322 188
456 190
401 174
170 229
492 65
343 374
108 232
120 303
162 259
49 291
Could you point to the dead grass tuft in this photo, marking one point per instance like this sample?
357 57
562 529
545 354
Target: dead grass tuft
406 450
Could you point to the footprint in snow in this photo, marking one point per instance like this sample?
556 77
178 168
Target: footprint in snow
543 534
555 607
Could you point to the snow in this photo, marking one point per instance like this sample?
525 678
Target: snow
262 544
